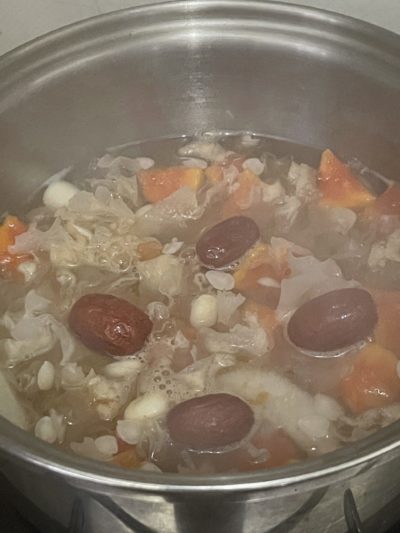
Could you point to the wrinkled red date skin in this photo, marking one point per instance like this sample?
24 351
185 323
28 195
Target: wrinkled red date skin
210 421
109 325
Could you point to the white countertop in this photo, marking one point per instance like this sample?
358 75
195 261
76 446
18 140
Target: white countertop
22 20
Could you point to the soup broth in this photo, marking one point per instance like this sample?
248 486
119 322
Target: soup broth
204 305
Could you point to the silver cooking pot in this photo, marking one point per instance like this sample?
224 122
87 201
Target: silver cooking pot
303 75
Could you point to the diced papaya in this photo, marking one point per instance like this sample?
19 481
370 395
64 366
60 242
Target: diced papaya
265 315
127 459
387 331
387 203
275 446
122 445
262 262
339 187
241 198
9 263
214 173
158 183
15 225
281 449
372 382
9 230
149 250
5 239
246 280
258 256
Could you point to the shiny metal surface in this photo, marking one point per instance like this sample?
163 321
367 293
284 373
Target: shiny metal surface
299 74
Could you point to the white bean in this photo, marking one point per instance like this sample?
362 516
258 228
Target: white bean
145 162
172 247
107 444
129 431
204 311
150 405
58 194
45 430
46 376
254 165
123 369
221 281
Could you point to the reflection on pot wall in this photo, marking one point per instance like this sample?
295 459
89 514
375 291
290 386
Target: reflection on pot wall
23 20
308 509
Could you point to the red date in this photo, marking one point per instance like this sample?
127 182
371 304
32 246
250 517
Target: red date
109 325
334 320
227 241
210 421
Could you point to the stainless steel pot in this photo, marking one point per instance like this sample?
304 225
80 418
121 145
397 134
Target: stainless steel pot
311 77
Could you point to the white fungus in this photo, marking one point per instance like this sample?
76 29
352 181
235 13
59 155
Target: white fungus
328 407
28 269
315 426
228 304
162 274
172 247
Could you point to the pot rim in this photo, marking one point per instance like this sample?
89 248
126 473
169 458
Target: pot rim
30 450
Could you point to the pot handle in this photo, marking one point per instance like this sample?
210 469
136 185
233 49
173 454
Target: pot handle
351 515
77 520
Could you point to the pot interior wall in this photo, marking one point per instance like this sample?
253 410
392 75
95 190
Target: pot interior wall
70 97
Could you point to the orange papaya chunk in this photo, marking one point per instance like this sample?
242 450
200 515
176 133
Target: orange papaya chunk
128 458
214 173
9 230
265 315
149 250
338 186
280 450
241 198
372 382
276 449
387 331
387 203
262 261
158 183
258 256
